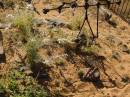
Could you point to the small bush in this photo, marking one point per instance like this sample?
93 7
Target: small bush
31 48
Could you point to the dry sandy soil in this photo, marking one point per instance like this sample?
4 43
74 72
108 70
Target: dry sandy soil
122 66
107 47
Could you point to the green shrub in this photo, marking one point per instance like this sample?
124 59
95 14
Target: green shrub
31 48
17 84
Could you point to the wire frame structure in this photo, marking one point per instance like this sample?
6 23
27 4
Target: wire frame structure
86 6
123 10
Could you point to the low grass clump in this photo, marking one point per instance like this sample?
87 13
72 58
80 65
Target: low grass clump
76 23
92 48
24 22
56 33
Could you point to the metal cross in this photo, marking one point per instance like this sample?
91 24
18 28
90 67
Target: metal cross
86 6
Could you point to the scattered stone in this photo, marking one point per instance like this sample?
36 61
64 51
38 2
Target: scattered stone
64 41
116 56
92 74
24 68
10 16
114 40
50 22
112 22
125 49
126 79
47 41
56 22
32 8
39 22
28 72
123 27
5 26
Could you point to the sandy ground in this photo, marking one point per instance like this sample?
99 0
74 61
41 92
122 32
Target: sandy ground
85 89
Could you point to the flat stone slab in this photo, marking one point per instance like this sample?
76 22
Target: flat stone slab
5 26
2 53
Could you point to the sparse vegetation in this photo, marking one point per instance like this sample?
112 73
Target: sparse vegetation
17 84
31 48
59 62
24 22
92 48
75 23
46 59
80 74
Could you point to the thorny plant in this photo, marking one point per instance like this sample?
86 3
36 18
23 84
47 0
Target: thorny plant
86 6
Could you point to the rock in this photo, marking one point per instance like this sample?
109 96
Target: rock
114 40
31 7
64 41
56 22
116 56
39 22
28 72
2 53
10 16
125 49
123 27
103 10
92 74
24 68
47 41
5 26
50 22
112 22
96 74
